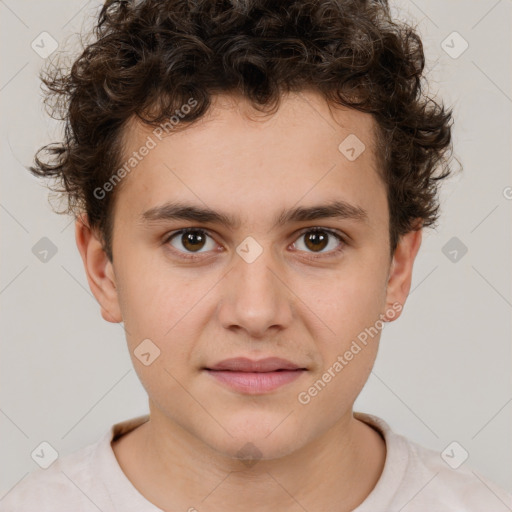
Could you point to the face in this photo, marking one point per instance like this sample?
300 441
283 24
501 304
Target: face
289 259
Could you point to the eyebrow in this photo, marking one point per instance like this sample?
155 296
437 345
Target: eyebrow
182 211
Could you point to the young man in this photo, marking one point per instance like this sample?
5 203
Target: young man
250 181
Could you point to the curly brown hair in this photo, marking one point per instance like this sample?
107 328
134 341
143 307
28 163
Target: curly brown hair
149 57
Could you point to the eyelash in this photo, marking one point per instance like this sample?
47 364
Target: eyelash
314 229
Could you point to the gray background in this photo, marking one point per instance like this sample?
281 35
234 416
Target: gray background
443 372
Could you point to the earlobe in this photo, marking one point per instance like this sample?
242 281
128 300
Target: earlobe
99 270
400 275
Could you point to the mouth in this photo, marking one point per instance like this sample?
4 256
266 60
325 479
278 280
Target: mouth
255 377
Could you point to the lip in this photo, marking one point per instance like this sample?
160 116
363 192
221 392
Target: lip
244 364
255 376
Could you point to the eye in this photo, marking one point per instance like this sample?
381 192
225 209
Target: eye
317 239
192 240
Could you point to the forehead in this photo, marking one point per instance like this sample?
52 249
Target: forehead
239 158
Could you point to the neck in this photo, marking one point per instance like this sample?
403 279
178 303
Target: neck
177 471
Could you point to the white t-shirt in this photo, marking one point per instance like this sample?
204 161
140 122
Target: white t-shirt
414 479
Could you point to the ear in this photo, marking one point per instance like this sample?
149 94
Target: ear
400 273
99 270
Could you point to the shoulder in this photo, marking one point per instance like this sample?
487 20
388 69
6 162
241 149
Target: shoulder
419 479
65 485
448 479
82 481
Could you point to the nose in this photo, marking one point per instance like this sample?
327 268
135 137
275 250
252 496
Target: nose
255 297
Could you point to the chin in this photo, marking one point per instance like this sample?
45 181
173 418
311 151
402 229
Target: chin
252 440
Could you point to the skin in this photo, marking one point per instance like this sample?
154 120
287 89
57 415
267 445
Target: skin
316 456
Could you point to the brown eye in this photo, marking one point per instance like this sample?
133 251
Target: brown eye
318 239
192 240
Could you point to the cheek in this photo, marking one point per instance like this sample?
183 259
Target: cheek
159 329
151 301
170 311
346 301
347 351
